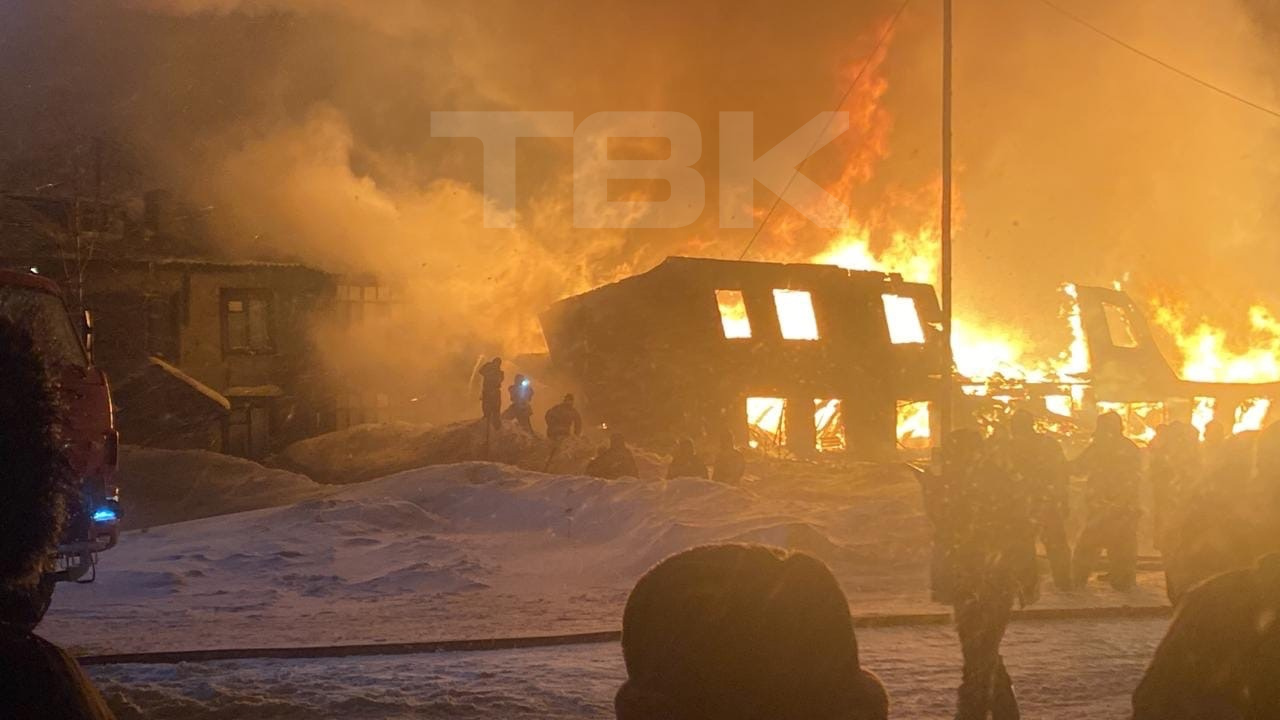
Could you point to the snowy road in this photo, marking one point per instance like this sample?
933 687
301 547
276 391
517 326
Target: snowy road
1064 670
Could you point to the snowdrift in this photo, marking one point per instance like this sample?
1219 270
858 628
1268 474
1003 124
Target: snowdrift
371 451
482 550
166 486
467 549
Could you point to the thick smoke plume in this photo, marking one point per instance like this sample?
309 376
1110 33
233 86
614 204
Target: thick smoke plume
305 124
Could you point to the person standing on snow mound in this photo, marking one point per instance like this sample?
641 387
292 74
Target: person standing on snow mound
728 632
520 397
562 421
685 462
1042 465
730 465
984 518
491 392
1113 465
1220 659
614 460
37 679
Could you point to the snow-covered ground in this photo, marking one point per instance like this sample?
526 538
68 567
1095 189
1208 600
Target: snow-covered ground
1063 670
477 549
484 550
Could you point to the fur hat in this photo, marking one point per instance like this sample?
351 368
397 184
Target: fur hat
33 478
743 632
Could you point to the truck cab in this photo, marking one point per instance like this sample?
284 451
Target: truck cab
87 422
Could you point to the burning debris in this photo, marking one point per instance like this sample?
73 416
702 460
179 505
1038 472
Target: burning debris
813 358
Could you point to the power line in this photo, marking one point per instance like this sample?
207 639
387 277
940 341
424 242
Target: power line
1168 66
884 37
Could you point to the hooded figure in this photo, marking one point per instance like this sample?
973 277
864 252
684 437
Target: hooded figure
39 680
1220 658
685 462
739 631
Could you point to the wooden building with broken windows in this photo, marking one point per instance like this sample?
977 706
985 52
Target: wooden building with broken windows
810 358
219 348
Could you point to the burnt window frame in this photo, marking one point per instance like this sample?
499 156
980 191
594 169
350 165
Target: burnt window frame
244 295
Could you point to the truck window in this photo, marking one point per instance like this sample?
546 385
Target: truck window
45 317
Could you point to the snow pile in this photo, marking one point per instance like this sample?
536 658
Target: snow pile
469 549
371 451
166 486
482 550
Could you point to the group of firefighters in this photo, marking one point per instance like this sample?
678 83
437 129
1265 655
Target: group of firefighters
614 460
1001 493
996 496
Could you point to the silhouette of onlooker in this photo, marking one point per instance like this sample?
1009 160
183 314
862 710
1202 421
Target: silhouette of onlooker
982 515
1113 465
685 462
614 460
739 631
37 679
1221 656
729 465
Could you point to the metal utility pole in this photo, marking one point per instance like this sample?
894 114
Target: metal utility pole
945 405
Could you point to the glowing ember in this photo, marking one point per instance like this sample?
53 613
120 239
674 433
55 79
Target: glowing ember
795 314
733 314
913 424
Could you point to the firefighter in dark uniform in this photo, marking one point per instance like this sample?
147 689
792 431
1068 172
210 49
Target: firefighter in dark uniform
1113 465
520 409
1042 465
562 421
982 517
491 392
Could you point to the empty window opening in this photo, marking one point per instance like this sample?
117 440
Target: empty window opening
1251 415
766 422
1119 326
829 424
1059 405
1202 413
733 314
914 432
904 320
795 314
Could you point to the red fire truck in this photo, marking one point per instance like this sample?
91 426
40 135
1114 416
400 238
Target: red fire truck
88 429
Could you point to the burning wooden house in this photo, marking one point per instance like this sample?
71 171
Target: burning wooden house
806 357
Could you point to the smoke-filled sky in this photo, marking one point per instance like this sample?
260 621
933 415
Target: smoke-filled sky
306 124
